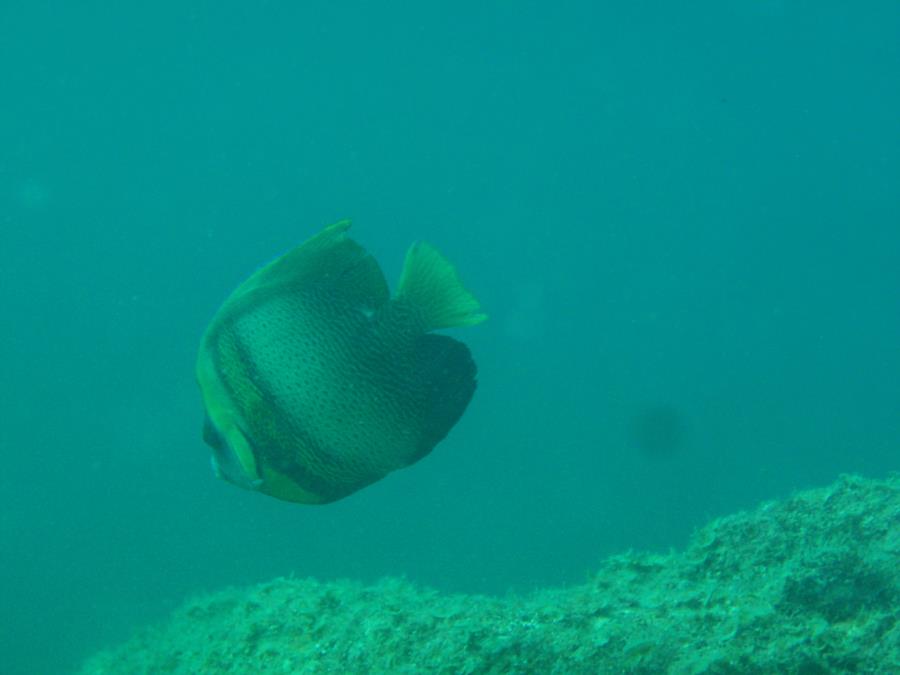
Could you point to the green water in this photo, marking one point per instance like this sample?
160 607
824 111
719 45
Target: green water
683 222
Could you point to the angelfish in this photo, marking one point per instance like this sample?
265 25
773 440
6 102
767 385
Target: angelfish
316 382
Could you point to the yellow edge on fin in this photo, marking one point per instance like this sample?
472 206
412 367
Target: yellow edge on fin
276 484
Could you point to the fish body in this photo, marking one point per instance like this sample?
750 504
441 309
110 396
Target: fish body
316 382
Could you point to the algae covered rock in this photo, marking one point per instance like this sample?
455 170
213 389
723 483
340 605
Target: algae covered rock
806 585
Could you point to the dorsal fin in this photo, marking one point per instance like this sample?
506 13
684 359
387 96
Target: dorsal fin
329 258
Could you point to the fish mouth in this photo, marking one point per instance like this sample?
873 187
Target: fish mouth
225 465
224 460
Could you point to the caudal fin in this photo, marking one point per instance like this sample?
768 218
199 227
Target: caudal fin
431 283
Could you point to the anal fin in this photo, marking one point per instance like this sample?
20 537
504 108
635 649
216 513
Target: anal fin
448 375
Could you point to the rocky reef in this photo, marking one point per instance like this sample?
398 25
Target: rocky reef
806 585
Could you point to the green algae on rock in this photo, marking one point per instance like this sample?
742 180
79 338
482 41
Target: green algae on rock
810 584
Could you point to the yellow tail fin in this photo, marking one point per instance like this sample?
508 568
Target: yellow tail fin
431 283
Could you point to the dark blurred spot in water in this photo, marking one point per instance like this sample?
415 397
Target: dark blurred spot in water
659 431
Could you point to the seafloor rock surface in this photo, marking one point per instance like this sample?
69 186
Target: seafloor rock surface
806 585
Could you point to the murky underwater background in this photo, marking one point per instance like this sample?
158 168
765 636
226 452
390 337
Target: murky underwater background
684 224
